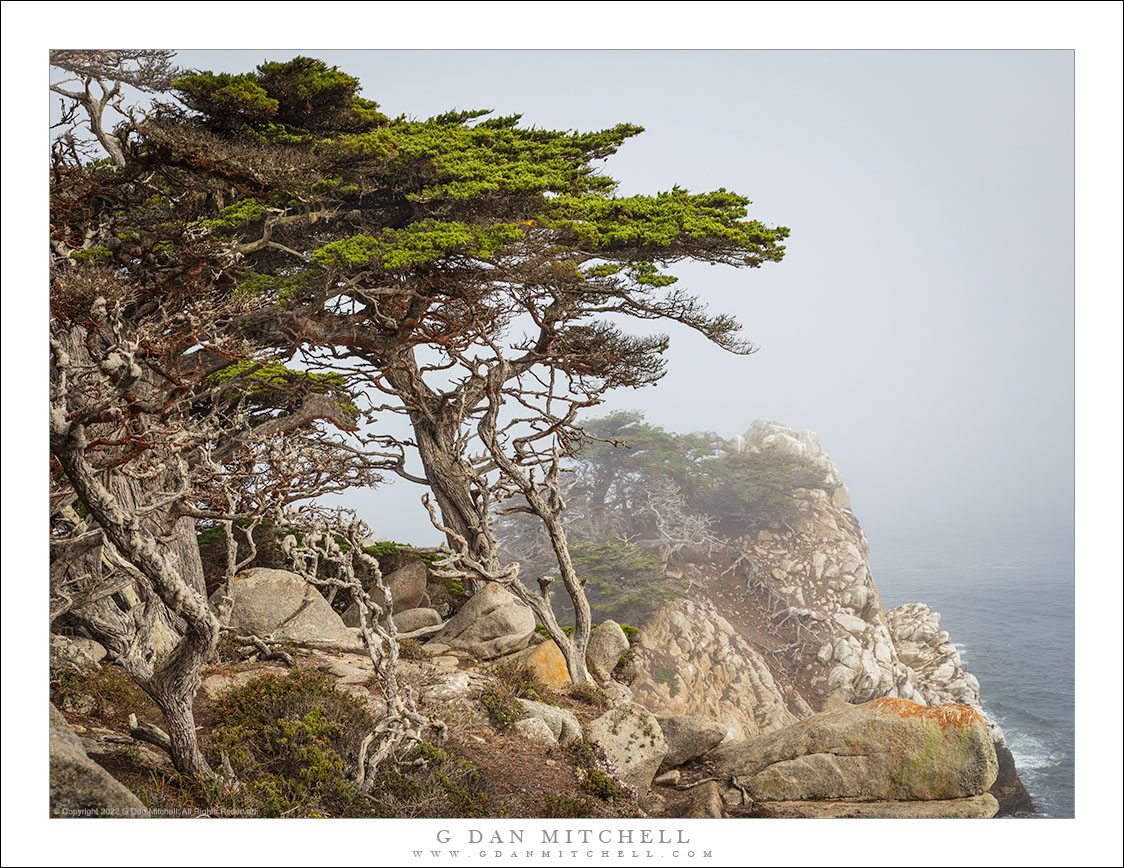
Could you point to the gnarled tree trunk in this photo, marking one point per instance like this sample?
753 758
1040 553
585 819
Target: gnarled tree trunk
138 622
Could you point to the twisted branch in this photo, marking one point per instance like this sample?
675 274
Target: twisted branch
338 538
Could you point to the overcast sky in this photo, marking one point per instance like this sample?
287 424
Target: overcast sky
922 320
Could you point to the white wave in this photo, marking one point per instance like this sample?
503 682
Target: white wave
1029 752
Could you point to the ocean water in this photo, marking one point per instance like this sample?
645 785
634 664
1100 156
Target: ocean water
1009 609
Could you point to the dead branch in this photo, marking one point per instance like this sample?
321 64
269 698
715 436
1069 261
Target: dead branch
337 539
267 650
150 734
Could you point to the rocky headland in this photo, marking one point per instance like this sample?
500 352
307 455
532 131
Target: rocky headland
796 626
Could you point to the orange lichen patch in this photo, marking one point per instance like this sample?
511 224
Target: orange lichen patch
944 716
548 664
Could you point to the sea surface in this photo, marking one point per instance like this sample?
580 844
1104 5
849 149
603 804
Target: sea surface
1009 609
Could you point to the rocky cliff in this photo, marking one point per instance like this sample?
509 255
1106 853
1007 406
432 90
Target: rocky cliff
787 621
691 660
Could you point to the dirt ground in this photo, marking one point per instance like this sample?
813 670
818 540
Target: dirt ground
521 778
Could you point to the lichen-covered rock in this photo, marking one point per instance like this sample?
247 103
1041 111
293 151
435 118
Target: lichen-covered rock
607 642
535 729
939 676
75 653
972 808
688 737
885 750
546 661
283 606
79 786
407 588
407 585
490 624
415 619
563 725
633 741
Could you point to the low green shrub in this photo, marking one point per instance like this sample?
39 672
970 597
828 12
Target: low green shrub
590 694
108 692
411 649
503 705
605 787
383 548
568 630
292 740
585 753
442 785
564 806
524 682
668 675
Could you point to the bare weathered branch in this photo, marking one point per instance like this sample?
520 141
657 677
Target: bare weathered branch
337 539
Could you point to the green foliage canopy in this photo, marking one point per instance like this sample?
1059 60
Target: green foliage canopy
461 208
337 226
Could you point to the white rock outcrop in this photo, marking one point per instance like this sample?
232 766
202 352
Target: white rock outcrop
925 648
606 644
563 725
535 729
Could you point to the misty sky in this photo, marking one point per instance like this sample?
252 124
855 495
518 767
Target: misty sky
922 320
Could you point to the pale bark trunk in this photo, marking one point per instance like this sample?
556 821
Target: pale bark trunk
173 689
579 639
185 548
172 569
